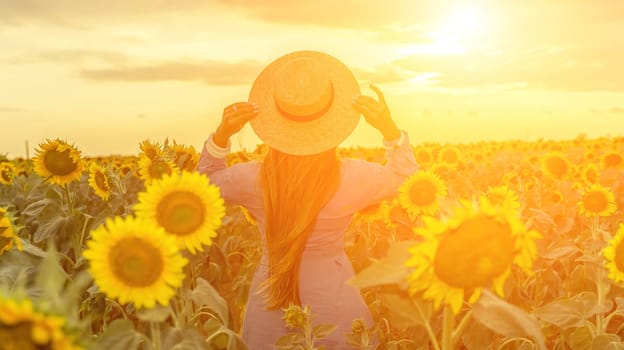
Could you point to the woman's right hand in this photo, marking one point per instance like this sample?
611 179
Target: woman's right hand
234 118
377 113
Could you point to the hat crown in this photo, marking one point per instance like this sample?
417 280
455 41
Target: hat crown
303 89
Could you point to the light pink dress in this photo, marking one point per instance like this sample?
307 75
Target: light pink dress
324 266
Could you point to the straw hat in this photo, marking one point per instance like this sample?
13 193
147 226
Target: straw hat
305 104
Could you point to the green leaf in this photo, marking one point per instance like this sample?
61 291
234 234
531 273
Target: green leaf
205 295
188 338
607 342
504 318
405 312
35 208
390 269
156 314
51 276
120 334
49 228
323 330
571 312
580 339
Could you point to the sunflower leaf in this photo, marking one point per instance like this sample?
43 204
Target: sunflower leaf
120 334
206 295
388 270
504 318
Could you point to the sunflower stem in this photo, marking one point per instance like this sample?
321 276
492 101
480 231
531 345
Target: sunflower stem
461 326
600 282
70 204
448 324
155 335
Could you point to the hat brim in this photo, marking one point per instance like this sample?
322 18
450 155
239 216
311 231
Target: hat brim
309 137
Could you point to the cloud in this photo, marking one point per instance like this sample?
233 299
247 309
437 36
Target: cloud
386 73
616 110
10 109
563 69
208 72
71 56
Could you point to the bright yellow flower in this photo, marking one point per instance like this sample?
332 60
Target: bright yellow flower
99 181
153 169
503 196
597 200
150 150
612 159
187 206
134 260
58 162
556 165
7 233
474 249
7 172
22 327
186 158
421 192
614 257
450 155
589 173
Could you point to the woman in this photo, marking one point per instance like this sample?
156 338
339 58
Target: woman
302 195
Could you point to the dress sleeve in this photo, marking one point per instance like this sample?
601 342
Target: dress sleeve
367 183
238 183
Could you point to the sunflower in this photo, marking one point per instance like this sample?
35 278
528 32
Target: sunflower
152 169
423 155
589 173
503 196
250 219
134 260
7 233
99 181
474 249
614 257
186 158
449 155
612 159
22 327
58 162
150 150
187 206
420 193
7 173
597 201
556 165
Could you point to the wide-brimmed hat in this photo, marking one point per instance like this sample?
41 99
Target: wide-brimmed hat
304 101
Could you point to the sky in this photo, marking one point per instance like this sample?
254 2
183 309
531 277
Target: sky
105 76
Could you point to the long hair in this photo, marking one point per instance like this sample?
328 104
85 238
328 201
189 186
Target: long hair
295 189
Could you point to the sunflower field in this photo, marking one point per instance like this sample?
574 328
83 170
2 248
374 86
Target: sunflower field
489 245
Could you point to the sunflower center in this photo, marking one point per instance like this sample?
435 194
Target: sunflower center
595 202
619 256
557 166
475 253
181 213
423 157
136 262
100 181
422 192
450 157
612 160
19 337
59 163
158 169
6 175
